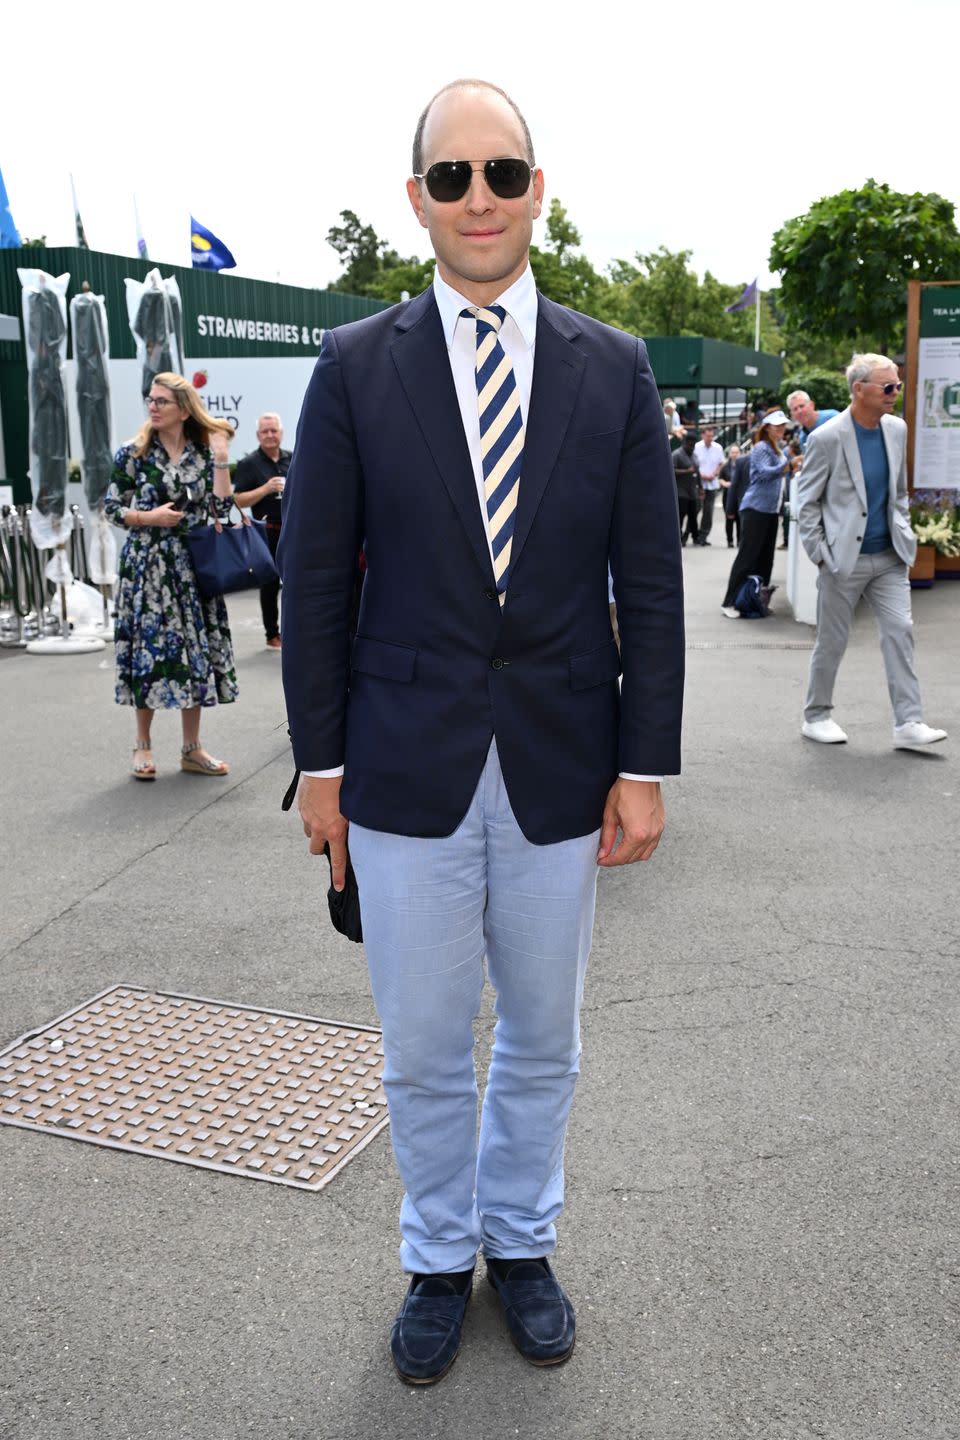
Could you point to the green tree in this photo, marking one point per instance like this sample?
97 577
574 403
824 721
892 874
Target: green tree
661 295
845 264
370 266
826 388
359 248
564 274
410 276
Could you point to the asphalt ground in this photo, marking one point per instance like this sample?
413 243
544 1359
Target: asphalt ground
761 1235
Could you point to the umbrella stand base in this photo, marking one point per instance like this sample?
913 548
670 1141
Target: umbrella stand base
64 645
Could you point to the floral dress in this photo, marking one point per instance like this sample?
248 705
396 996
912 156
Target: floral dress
173 647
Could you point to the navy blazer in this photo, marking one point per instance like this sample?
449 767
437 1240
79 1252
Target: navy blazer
381 461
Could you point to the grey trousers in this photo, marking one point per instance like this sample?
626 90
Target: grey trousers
882 581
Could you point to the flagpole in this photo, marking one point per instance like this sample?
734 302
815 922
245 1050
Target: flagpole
756 323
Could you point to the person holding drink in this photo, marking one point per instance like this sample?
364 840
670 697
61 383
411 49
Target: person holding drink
258 483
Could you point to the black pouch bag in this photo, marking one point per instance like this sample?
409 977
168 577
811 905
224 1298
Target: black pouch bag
344 904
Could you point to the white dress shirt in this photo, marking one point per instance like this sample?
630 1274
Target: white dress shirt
518 336
709 458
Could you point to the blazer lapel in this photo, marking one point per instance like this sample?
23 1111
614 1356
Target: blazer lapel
851 450
420 355
557 373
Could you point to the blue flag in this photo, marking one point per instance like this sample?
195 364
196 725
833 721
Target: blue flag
9 234
206 251
748 298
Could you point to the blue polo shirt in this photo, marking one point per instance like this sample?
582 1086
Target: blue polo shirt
822 417
876 475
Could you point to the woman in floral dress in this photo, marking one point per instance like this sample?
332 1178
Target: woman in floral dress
173 647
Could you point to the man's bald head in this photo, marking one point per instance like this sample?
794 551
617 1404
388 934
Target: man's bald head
466 85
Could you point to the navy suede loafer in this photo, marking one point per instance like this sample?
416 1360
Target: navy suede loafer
425 1339
542 1323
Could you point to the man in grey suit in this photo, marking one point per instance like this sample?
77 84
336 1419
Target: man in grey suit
854 523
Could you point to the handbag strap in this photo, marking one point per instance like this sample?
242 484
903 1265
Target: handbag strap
244 519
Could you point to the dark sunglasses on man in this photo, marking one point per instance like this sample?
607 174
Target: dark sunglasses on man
892 387
449 180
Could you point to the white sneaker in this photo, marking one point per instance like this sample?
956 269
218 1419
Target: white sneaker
915 734
827 732
730 612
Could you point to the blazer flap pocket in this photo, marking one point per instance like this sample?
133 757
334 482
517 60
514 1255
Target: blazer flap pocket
604 445
382 658
595 667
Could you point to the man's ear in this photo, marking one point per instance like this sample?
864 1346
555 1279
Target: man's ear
537 193
415 195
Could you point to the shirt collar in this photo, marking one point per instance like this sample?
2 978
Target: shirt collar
519 301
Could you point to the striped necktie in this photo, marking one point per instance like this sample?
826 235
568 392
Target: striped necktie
501 436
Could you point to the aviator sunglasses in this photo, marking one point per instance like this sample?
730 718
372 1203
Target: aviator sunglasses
449 180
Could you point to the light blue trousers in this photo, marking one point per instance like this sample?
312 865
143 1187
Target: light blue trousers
432 909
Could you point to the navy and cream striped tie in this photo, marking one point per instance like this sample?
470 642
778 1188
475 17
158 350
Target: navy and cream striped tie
501 437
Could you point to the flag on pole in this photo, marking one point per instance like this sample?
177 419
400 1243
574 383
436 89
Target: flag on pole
9 234
141 243
81 237
206 251
748 298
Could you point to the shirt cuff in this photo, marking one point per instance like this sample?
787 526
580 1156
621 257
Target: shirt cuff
654 779
323 774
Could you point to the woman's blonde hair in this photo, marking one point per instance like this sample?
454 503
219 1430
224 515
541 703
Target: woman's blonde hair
198 423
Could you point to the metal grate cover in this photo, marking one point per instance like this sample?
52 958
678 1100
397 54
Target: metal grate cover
259 1093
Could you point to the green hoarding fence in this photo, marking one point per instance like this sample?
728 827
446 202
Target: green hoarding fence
224 315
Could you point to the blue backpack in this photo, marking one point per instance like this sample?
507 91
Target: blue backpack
752 599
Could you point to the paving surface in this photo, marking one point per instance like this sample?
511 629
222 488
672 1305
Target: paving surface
761 1235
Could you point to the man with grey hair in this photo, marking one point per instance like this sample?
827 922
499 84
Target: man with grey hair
854 523
258 484
805 414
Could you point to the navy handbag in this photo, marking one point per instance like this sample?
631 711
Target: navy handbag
231 557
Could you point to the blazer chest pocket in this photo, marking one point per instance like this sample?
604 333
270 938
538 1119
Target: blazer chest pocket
596 667
603 448
383 659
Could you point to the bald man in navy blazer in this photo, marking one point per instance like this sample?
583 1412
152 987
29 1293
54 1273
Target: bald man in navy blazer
474 740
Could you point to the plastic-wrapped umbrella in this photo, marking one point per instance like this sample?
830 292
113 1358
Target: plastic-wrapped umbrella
45 333
90 350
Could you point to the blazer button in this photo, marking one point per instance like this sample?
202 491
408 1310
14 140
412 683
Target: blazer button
864 514
496 663
489 594
859 537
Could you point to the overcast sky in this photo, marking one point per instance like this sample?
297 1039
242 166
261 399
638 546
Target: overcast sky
697 126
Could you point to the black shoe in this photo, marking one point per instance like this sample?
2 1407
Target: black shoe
704 542
540 1317
425 1339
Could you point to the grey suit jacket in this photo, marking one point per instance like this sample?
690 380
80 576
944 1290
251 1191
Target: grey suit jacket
832 495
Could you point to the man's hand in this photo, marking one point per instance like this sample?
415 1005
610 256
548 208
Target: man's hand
318 801
274 486
634 807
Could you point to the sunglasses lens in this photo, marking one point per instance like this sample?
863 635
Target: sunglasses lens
448 180
507 178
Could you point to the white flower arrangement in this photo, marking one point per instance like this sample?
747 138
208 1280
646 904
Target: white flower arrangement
938 531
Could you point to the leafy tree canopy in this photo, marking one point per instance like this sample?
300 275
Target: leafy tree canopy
845 264
826 388
370 266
